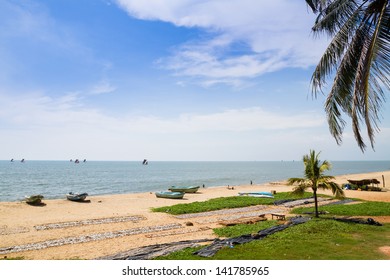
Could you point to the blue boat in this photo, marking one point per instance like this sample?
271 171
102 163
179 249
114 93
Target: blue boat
257 194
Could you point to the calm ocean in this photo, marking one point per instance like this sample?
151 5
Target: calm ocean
54 179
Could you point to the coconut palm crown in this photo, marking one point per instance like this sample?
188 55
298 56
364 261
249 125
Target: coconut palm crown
315 178
358 59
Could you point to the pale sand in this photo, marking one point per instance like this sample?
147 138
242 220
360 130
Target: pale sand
18 220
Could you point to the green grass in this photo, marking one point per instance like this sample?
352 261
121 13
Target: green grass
318 239
224 203
369 208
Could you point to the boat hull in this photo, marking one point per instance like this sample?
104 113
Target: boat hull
184 189
257 194
76 197
34 199
172 195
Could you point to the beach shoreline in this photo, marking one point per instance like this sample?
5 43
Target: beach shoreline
111 224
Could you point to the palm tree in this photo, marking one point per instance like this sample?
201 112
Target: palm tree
315 178
358 57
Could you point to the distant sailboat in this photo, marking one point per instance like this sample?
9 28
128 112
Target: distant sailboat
76 161
12 160
145 162
22 160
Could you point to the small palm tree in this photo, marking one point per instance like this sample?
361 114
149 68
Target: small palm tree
315 178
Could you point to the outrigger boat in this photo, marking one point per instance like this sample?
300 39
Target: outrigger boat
189 189
76 196
174 195
34 199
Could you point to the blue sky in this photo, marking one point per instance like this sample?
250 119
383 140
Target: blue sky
164 80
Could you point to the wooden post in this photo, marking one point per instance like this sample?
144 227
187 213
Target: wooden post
383 179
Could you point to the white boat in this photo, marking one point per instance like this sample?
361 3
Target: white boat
76 196
257 194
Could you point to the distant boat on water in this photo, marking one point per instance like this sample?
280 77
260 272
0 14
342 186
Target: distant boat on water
22 160
145 162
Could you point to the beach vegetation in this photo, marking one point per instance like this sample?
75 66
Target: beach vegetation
367 208
226 203
318 239
315 178
357 58
12 259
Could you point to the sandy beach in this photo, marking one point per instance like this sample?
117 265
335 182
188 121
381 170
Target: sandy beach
110 224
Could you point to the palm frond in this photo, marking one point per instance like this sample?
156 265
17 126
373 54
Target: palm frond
359 58
292 181
368 99
334 187
334 16
317 5
333 54
299 190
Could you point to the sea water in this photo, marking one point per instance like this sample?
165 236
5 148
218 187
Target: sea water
54 179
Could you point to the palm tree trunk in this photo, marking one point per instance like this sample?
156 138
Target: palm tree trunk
315 201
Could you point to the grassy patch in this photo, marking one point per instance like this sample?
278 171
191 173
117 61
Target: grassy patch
224 203
319 239
369 208
12 259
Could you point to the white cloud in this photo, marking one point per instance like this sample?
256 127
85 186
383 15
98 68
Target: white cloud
275 35
102 87
36 126
38 110
43 127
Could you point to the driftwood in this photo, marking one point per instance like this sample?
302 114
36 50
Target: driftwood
251 220
369 221
152 251
218 244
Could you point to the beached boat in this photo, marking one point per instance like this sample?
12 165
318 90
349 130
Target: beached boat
34 199
76 196
257 194
174 195
189 189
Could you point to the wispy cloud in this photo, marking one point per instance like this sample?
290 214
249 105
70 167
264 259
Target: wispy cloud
38 110
39 126
275 35
102 87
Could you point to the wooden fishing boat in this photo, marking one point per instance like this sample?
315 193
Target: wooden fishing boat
173 195
34 199
76 196
189 189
